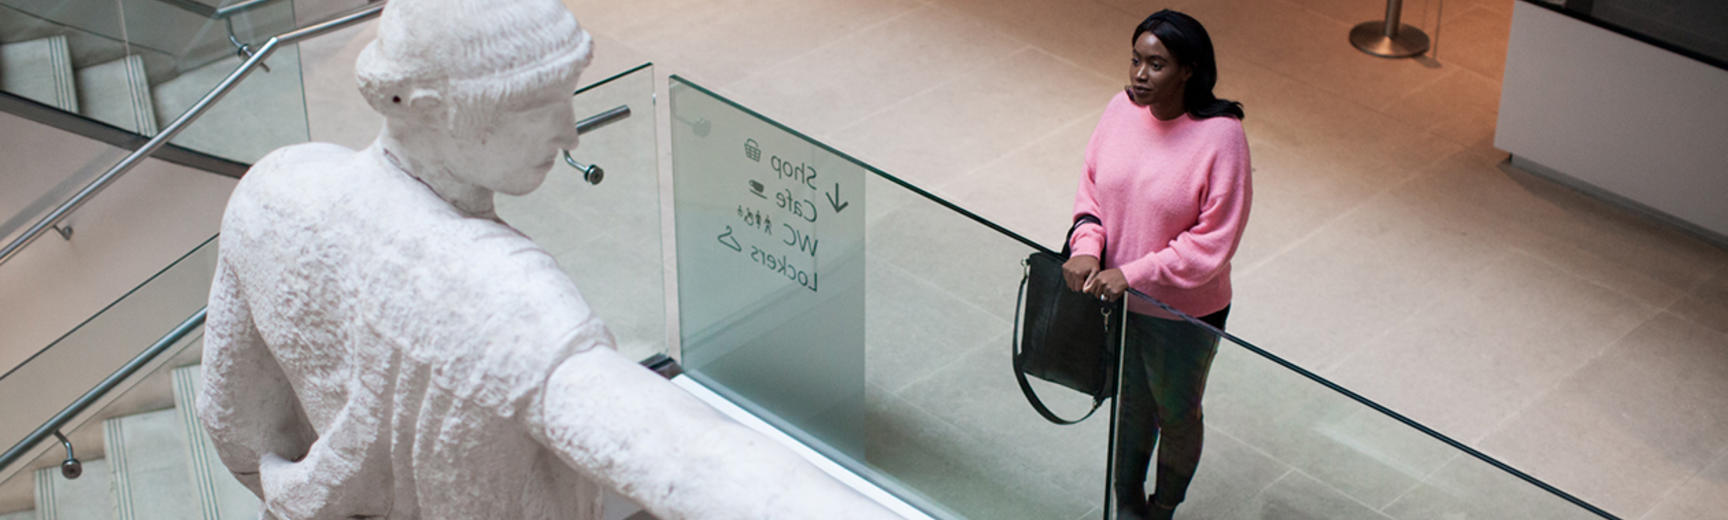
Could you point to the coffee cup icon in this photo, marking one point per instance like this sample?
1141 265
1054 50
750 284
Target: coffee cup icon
752 150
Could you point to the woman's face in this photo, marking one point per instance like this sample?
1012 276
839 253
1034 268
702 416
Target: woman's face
1155 78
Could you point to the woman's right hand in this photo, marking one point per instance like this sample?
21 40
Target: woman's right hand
1078 269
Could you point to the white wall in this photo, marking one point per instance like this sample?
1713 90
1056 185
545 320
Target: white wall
155 214
1617 114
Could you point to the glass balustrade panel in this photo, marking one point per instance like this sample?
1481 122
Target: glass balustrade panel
34 391
606 236
265 111
1278 444
869 320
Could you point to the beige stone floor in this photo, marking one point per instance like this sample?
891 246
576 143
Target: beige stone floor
1389 251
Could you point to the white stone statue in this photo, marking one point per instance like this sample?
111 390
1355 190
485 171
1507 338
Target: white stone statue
380 344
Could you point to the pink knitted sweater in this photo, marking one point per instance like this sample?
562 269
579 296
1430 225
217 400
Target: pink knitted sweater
1173 197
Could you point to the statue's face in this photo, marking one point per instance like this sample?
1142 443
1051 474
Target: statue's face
523 143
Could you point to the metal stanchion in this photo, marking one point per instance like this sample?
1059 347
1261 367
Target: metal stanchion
1389 38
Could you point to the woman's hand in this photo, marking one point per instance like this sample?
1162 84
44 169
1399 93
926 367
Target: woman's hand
1108 284
1079 270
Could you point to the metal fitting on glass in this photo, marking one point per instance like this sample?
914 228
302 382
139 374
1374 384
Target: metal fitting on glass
243 50
592 173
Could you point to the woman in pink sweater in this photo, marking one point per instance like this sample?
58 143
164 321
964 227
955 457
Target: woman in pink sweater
1167 177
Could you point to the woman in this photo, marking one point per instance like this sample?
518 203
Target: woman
1167 176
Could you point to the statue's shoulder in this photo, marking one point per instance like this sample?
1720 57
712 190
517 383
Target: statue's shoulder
293 167
299 182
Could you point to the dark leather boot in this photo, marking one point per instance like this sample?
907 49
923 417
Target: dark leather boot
1156 510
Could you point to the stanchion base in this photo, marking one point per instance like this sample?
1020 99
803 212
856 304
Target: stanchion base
1370 37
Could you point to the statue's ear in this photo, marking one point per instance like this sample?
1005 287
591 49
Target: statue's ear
424 101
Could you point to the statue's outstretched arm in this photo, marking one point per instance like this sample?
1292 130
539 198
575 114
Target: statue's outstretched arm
648 440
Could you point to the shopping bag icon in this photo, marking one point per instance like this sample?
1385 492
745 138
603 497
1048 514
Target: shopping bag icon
752 150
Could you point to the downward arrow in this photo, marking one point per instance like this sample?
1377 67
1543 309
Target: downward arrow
834 199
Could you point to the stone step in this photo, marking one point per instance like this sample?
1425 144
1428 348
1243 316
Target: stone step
147 465
118 93
40 70
220 496
87 498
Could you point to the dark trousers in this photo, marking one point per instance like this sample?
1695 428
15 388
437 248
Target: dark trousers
1163 378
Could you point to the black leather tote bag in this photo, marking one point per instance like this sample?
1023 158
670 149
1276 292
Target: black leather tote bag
1064 337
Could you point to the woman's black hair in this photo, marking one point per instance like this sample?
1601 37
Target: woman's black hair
1192 47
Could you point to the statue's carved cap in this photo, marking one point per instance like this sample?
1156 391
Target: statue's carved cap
474 48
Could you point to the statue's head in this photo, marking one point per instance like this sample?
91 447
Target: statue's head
484 85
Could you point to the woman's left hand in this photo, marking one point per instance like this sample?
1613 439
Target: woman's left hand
1108 284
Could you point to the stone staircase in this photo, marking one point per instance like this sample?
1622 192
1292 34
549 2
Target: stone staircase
113 92
264 112
157 465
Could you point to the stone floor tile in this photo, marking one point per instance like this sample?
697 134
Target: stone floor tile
1231 472
1303 424
1649 414
1469 489
843 82
1355 279
1030 191
1089 34
961 471
1707 304
941 134
1488 349
978 395
717 43
913 328
1475 39
1461 106
959 255
1297 496
1704 496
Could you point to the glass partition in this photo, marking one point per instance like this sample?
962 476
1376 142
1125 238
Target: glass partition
265 111
139 64
54 377
864 318
607 235
1281 443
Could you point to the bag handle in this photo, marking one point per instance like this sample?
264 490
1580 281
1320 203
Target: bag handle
1082 219
1019 364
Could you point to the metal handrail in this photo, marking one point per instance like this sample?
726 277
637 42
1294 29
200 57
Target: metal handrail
48 429
173 129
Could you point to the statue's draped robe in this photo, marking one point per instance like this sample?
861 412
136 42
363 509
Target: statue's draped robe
391 346
370 351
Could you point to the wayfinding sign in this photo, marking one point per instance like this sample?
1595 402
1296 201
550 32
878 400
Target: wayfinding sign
770 246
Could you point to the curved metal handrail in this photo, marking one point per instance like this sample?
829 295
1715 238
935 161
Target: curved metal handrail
48 429
96 186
